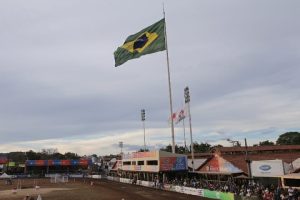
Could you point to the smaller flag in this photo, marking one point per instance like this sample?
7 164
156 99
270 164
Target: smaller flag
172 117
180 116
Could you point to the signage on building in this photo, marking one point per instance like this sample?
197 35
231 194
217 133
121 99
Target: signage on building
267 168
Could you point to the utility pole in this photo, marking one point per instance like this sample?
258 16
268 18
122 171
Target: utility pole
143 120
121 146
187 101
248 161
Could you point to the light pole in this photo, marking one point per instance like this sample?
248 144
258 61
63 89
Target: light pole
248 161
143 120
121 146
187 101
234 143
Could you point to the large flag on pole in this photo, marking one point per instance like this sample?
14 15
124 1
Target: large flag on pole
149 40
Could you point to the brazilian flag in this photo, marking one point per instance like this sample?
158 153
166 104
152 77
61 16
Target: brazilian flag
148 40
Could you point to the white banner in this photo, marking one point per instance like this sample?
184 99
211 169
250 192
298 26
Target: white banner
267 168
125 180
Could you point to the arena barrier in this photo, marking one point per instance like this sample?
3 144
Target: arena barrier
93 176
69 175
180 189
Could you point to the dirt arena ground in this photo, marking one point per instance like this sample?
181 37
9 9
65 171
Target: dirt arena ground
80 190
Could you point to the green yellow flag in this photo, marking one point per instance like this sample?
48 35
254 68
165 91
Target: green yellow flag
149 40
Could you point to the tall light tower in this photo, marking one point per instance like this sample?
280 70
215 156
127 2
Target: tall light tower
234 143
187 101
143 117
121 146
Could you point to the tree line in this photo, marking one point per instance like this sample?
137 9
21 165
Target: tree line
45 154
288 138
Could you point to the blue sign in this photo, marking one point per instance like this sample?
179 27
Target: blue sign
265 167
180 163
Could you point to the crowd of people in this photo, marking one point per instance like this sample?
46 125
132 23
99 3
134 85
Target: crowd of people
242 188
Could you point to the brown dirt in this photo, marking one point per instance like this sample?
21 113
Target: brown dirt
82 190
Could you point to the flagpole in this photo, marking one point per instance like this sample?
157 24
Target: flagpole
169 81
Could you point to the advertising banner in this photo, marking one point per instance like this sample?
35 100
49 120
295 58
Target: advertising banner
49 162
151 154
74 162
267 168
30 162
218 195
41 162
83 162
3 160
138 168
65 162
193 191
173 163
56 162
11 164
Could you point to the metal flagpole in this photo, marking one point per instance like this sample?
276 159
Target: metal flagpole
169 81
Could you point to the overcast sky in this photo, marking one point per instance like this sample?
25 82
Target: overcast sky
59 87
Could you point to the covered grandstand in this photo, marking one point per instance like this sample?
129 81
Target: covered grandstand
42 167
150 165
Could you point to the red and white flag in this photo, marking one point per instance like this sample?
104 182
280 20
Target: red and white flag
178 116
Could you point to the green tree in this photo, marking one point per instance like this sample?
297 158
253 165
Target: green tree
266 143
289 138
167 148
31 155
73 156
178 149
17 157
143 150
57 156
201 148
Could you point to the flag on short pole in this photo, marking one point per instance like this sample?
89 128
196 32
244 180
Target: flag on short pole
147 41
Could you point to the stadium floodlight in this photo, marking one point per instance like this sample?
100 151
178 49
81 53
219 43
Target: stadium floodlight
234 143
121 146
187 101
187 95
143 114
143 117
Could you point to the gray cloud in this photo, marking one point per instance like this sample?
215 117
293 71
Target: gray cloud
57 75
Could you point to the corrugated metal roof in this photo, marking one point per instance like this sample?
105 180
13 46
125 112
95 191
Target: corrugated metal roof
197 163
259 148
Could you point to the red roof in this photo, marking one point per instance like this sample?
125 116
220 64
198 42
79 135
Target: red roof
240 162
237 157
258 148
